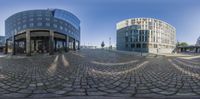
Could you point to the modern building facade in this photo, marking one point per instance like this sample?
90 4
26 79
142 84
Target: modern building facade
146 35
198 42
2 43
42 31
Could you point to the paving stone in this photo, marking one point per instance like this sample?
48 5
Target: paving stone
36 77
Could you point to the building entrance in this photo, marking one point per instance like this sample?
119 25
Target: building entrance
40 45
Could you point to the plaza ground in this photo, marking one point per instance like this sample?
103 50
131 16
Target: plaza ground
98 74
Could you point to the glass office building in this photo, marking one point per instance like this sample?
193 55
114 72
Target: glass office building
2 41
198 42
146 35
42 31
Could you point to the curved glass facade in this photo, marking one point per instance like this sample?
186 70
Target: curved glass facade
51 19
198 42
42 31
146 34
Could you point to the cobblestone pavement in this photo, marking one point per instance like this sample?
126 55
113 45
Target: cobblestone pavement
99 73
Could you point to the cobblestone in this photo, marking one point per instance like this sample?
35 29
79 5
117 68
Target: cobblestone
98 73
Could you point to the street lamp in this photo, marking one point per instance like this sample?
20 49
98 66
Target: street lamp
141 48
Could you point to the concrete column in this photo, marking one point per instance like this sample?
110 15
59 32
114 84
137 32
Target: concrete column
67 43
34 45
196 50
74 45
63 45
17 47
51 42
78 45
28 43
24 45
55 45
6 47
13 45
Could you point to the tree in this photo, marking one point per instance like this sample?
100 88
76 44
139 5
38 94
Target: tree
102 44
183 44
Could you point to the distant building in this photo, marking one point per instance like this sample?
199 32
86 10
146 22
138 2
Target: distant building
188 49
198 42
88 47
191 48
42 31
146 35
2 43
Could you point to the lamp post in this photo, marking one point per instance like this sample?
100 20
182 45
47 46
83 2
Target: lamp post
141 49
109 43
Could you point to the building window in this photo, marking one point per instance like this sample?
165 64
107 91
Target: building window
39 18
31 24
66 29
144 45
39 14
48 19
126 33
24 26
47 14
31 19
39 24
61 27
55 25
138 46
126 46
24 21
126 39
55 20
132 45
155 45
19 28
47 24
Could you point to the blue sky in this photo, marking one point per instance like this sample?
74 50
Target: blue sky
99 17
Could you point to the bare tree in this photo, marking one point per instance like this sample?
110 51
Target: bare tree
102 44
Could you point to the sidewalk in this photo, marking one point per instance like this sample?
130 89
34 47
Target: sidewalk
107 97
129 52
2 55
182 55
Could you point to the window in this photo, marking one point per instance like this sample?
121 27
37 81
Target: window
55 20
31 15
66 29
31 19
155 45
126 46
31 24
55 25
47 24
39 18
39 24
144 45
39 14
126 39
61 27
24 26
131 39
48 19
19 28
138 46
132 45
24 21
126 33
